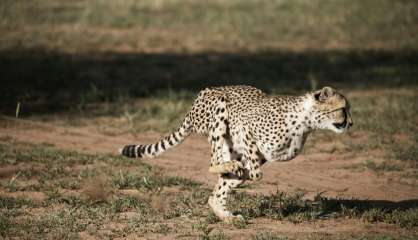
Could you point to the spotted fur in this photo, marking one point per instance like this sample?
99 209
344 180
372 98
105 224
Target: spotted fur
246 128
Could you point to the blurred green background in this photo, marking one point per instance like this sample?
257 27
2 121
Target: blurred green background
59 55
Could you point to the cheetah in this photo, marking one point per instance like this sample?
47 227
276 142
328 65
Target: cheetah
247 128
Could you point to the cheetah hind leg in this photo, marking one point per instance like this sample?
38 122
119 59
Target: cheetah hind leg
221 161
231 163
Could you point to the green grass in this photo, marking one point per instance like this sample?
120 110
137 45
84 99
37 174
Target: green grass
385 166
66 211
294 208
161 113
388 121
237 24
383 237
103 207
407 153
207 233
388 113
215 236
268 236
5 225
10 203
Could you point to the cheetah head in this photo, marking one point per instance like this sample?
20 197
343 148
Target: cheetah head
331 110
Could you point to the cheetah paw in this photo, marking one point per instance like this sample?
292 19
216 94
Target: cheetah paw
255 175
233 219
233 167
223 214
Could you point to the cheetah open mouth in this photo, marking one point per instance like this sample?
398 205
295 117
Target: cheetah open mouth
341 125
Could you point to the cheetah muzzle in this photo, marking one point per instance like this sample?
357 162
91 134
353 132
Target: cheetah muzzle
246 128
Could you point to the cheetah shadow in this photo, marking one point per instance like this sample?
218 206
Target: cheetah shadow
46 81
282 206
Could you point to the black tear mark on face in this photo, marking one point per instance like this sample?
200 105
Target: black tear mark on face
316 95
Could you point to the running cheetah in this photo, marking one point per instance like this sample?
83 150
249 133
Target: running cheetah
246 128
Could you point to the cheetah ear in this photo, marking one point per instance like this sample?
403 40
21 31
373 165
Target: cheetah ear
323 94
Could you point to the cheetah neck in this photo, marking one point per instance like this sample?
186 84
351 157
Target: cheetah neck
310 114
305 112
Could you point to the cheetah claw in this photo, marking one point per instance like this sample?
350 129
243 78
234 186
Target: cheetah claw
256 176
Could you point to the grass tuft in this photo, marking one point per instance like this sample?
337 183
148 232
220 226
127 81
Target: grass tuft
268 236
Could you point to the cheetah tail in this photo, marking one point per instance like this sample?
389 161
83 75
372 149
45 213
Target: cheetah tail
155 149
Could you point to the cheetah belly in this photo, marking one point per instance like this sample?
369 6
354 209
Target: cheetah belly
286 153
273 155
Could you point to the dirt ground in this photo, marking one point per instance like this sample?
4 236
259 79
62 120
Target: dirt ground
319 169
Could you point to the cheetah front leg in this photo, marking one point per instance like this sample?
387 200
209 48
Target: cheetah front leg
218 200
251 158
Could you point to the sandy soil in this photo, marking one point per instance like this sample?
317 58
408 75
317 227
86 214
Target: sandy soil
318 171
